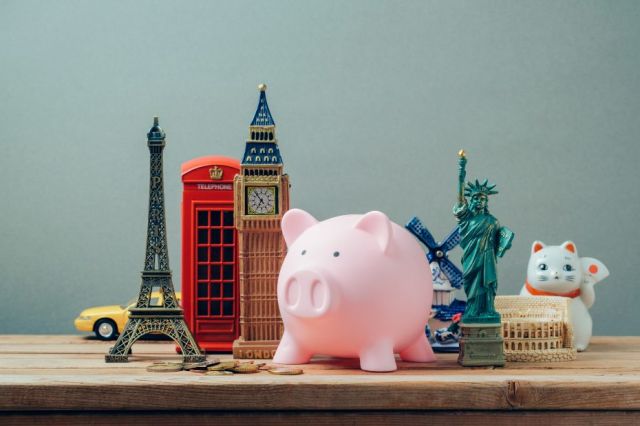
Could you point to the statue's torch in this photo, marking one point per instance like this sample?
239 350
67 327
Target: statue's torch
462 174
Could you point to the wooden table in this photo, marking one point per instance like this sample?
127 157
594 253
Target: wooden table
64 380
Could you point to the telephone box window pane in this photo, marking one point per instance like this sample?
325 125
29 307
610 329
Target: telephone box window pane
215 236
215 290
215 218
227 307
202 272
214 270
227 254
202 236
202 254
227 218
202 290
202 308
227 272
215 308
215 254
203 218
228 236
227 290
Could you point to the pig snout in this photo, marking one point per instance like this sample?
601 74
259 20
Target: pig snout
307 294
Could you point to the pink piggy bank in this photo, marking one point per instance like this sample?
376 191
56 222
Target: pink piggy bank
353 286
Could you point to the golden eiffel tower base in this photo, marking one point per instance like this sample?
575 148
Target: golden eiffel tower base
140 325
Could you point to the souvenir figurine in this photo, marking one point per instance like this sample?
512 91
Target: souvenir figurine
152 316
558 271
536 329
353 286
447 278
483 240
261 191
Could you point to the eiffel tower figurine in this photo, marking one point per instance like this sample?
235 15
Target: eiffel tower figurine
146 318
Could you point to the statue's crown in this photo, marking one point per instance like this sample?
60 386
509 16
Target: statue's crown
479 188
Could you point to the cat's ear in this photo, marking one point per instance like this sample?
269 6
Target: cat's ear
593 269
570 247
537 246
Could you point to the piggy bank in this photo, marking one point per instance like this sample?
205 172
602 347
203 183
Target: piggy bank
354 286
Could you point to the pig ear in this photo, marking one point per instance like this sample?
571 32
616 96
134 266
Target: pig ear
537 246
570 246
594 270
378 225
294 223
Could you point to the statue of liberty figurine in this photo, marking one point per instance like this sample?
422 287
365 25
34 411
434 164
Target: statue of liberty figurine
483 240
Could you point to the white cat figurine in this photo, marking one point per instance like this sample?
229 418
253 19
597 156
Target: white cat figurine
558 271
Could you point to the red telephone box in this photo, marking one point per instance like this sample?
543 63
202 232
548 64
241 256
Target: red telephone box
210 292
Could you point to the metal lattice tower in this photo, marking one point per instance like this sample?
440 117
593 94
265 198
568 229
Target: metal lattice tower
168 317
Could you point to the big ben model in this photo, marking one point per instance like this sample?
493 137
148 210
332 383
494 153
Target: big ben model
261 198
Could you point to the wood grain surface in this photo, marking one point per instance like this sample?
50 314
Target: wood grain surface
66 378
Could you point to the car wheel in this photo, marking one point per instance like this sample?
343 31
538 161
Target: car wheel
105 329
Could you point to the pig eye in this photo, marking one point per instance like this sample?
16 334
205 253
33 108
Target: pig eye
336 253
303 252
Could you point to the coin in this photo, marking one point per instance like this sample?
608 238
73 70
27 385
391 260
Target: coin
168 362
164 368
225 365
245 368
201 365
220 373
285 371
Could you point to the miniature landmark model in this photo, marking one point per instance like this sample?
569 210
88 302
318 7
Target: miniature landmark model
146 318
262 197
447 278
536 329
482 241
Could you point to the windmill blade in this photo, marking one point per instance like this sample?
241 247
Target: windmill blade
452 272
452 240
418 229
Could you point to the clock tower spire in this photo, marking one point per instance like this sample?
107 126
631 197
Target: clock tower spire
261 198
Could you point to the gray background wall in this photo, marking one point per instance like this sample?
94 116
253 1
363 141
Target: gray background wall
372 100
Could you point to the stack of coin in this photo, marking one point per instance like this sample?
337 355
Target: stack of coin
215 367
201 367
165 367
284 371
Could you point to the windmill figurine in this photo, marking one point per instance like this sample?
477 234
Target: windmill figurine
447 278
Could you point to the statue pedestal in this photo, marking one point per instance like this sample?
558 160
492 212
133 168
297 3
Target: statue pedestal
481 345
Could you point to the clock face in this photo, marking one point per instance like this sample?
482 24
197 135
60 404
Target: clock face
261 200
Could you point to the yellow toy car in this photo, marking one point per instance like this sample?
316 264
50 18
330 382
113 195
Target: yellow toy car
107 321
